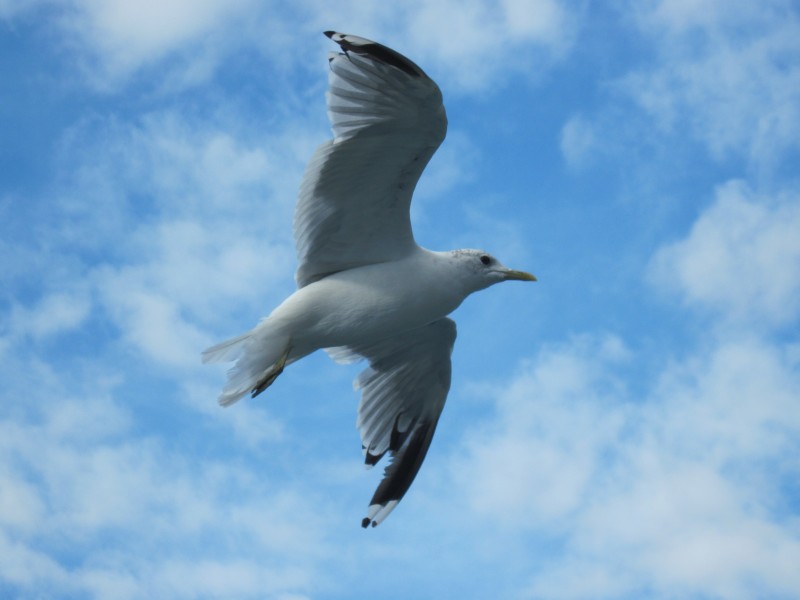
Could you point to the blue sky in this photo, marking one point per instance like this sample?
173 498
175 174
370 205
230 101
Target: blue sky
628 427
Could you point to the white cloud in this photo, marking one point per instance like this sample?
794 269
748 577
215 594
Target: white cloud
118 38
252 425
542 20
183 164
467 45
485 38
741 258
90 507
55 313
667 493
152 322
453 165
682 16
577 141
14 8
191 215
725 73
515 472
114 40
678 485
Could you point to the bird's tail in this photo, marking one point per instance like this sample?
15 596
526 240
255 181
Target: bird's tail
259 360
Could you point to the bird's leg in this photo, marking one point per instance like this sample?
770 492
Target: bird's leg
271 374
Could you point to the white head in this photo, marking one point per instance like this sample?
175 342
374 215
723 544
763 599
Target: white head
479 269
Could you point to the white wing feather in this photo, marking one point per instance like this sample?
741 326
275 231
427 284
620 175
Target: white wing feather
388 120
403 393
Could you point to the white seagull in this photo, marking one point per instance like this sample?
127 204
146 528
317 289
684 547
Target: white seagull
366 290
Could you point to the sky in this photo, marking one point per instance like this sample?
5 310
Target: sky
626 427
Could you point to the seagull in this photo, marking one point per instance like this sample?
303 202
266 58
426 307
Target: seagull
365 288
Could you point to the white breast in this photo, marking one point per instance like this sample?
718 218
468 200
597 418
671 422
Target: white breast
369 303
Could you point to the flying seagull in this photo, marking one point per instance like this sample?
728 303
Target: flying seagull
365 289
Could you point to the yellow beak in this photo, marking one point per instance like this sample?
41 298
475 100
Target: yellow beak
511 274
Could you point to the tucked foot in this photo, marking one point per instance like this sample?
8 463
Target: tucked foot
271 375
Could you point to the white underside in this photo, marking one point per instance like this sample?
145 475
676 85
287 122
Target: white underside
354 308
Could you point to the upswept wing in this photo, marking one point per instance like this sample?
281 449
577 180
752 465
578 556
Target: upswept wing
403 393
388 120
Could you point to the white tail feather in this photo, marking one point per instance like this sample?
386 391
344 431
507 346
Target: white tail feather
226 351
256 355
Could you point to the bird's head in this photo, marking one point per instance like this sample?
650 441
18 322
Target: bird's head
481 269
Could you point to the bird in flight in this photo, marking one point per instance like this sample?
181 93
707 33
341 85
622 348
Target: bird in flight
365 289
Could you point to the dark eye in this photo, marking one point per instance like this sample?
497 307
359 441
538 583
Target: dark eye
485 259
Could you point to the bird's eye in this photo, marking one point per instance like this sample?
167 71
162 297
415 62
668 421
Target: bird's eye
485 259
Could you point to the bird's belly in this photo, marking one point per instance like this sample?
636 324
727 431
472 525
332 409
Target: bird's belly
351 310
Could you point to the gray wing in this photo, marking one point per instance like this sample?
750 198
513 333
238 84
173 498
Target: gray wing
388 120
403 393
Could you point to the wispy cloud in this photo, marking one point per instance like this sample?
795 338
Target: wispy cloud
114 41
595 467
100 484
55 313
741 258
659 486
721 75
661 492
578 141
182 203
733 88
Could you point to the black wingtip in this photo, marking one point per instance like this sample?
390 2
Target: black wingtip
405 465
376 51
370 460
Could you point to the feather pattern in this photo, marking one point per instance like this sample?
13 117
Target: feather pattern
388 120
403 392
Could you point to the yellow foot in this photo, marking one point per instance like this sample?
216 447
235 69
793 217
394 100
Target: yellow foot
271 375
